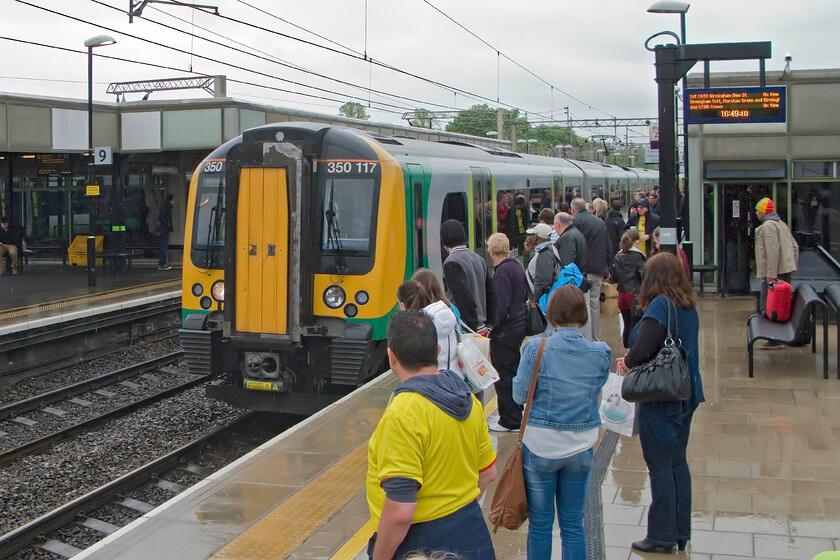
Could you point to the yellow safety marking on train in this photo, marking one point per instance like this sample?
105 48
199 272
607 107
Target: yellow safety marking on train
357 542
60 304
283 530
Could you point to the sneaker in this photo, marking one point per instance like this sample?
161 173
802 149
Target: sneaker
767 345
166 267
494 426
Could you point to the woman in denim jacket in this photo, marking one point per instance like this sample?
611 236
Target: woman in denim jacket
563 424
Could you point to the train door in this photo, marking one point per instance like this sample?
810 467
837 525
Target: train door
414 204
262 229
482 218
737 240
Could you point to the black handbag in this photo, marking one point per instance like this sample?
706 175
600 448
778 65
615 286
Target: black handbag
665 378
535 320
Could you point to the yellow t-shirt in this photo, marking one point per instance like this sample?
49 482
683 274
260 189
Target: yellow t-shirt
416 439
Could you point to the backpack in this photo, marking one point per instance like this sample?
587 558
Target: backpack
569 274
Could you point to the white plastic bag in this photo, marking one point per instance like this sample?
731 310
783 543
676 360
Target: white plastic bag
476 365
617 415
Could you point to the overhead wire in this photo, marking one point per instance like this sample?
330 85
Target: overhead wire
210 59
176 69
268 57
499 53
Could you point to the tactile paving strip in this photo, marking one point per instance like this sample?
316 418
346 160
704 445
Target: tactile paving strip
61 304
593 513
283 530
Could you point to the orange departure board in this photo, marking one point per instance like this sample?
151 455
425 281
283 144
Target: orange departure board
735 105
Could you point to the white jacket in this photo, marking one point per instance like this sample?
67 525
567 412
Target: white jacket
445 323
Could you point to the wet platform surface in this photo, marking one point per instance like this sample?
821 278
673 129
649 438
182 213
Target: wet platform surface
764 455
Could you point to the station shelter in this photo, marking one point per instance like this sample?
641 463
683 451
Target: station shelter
795 162
155 146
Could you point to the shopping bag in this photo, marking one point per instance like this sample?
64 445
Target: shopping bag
617 415
474 362
609 299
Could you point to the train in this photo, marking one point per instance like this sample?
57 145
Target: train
298 234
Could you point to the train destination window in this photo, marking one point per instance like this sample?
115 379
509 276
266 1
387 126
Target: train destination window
735 105
348 207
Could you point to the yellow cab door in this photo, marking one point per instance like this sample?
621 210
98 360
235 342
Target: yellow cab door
262 251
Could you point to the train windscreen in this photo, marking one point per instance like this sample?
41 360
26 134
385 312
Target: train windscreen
347 214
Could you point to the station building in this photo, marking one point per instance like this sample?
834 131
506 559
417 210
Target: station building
796 163
156 146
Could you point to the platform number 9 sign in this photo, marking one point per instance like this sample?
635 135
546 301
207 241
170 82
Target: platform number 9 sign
103 155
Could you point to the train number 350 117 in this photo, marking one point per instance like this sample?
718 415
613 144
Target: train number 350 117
351 166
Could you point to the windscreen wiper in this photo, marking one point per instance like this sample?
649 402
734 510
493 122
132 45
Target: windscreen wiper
333 235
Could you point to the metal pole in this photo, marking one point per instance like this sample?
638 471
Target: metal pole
666 56
91 260
92 224
684 226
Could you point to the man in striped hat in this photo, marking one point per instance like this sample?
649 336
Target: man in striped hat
776 252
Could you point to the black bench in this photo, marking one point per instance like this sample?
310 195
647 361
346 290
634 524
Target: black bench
799 330
116 262
33 251
832 296
702 269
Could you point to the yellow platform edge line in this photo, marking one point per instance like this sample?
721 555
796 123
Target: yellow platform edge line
357 542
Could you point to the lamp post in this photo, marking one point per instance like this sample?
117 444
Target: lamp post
92 43
528 144
563 148
677 7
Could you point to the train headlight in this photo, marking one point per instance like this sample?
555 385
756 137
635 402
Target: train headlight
205 302
197 290
334 297
362 297
351 310
217 290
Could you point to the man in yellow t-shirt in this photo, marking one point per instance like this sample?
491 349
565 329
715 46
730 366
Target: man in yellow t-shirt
430 457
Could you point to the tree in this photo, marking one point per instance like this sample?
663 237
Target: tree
478 120
549 137
353 110
424 119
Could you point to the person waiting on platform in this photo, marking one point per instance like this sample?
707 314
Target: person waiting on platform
164 229
664 426
430 458
657 248
562 429
506 338
11 244
776 254
627 271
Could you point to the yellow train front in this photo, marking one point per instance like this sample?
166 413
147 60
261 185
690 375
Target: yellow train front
295 246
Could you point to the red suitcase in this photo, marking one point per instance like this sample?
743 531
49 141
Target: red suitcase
779 297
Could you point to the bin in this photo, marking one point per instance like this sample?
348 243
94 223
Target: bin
77 251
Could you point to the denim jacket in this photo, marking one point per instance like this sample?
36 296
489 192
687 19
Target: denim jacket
571 375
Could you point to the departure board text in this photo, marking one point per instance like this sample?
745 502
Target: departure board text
735 105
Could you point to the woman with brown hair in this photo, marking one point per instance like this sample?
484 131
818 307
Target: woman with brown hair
666 294
424 292
557 447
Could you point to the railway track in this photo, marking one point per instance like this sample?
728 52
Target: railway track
66 530
21 430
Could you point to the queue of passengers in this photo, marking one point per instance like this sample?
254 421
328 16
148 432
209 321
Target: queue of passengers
430 458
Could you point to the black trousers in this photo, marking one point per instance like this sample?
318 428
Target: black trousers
505 356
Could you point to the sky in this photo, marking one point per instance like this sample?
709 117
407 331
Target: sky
539 56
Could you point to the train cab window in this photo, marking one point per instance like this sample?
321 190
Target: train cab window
209 212
347 223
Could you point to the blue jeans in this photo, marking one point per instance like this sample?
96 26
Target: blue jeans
560 481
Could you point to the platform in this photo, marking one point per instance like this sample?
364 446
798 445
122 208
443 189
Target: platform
46 293
764 455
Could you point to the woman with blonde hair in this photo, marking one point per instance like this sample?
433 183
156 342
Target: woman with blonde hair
505 340
600 206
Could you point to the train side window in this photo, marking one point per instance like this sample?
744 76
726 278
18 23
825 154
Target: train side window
454 208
